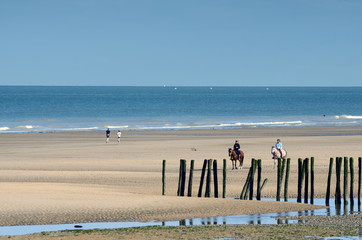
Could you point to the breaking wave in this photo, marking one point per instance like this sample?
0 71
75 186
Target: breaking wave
349 117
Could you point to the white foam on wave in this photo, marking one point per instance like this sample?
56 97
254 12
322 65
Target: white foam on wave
77 129
262 124
222 125
4 128
114 127
350 117
27 127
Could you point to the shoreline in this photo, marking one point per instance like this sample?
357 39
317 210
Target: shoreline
322 130
54 178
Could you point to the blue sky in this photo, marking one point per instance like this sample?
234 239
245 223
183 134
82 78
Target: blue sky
181 43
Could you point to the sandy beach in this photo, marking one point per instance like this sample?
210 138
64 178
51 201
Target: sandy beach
49 178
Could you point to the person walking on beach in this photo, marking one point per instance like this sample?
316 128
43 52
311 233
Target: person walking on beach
119 136
279 147
108 133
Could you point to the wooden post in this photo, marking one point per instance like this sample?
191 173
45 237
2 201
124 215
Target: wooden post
258 193
251 188
328 192
351 169
224 180
286 181
345 182
183 179
189 190
216 185
306 185
208 178
338 181
179 178
202 178
300 166
312 180
279 178
359 179
163 177
282 174
263 185
243 193
283 168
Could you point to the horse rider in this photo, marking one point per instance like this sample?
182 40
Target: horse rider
237 147
279 147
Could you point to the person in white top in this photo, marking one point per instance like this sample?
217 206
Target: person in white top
279 146
119 136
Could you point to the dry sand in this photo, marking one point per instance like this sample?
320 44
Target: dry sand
49 178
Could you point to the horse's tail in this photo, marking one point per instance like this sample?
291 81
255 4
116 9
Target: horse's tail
241 159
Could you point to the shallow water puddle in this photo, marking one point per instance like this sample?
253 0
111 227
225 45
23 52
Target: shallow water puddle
269 218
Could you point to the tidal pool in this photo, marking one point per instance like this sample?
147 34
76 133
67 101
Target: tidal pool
269 218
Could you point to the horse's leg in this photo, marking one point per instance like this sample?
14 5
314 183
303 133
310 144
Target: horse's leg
274 162
241 161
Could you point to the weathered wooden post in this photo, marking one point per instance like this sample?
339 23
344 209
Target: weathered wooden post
306 185
243 193
286 181
263 185
300 166
258 193
278 178
251 182
328 192
283 169
191 175
345 182
164 177
202 178
183 181
312 180
282 174
251 188
179 178
224 180
359 180
351 169
216 185
338 181
208 178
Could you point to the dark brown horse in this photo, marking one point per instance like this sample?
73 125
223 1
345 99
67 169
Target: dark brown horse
235 157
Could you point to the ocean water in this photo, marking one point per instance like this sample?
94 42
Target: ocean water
36 109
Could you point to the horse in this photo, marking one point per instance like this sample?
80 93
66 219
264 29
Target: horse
276 154
235 157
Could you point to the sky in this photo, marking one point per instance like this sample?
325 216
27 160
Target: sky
181 43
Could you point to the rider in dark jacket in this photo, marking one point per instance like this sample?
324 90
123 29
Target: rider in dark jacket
237 147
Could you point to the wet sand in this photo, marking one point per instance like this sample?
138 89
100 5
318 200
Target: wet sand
50 178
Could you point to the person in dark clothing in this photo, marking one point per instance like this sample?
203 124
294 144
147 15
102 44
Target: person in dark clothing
237 147
108 133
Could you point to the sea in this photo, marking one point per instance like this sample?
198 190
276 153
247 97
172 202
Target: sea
38 109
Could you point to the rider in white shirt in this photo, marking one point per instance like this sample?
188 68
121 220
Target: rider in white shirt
279 146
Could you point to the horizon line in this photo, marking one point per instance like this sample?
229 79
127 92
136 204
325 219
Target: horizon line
209 86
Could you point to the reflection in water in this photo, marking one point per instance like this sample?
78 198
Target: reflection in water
338 209
271 218
275 218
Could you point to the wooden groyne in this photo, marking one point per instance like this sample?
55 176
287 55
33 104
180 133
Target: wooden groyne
344 173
